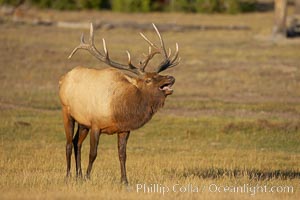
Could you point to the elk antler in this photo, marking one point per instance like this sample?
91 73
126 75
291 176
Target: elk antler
168 62
105 58
165 64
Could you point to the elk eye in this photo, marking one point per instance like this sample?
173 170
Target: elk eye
148 80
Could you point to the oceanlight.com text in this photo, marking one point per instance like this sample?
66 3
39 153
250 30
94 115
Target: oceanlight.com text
250 189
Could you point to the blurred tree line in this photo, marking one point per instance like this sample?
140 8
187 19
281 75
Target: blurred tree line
203 6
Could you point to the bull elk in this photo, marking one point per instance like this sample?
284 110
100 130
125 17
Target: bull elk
112 100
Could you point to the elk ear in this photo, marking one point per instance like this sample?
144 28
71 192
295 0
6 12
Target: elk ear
131 80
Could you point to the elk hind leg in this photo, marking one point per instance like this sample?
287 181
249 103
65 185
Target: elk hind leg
94 141
122 143
80 136
69 131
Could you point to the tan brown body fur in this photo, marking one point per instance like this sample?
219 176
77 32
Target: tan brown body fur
108 99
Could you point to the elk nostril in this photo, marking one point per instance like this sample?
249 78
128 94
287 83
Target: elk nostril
171 78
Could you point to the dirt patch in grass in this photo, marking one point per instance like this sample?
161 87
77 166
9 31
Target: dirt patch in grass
261 125
251 174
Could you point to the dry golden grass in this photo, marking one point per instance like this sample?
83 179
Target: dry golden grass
233 119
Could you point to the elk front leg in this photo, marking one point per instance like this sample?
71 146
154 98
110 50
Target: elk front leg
80 136
94 141
122 142
69 130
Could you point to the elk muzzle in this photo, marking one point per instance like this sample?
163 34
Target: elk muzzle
166 87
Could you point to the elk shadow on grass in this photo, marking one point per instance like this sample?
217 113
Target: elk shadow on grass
251 174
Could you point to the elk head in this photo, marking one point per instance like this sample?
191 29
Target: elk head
148 81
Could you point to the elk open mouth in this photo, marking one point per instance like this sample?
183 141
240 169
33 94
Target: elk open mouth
167 87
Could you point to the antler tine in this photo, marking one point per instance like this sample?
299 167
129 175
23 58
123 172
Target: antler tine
82 43
129 61
82 39
176 53
175 63
104 48
161 41
91 34
170 52
149 42
72 53
129 57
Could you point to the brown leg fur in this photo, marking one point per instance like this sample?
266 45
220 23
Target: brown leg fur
122 142
94 141
80 136
69 130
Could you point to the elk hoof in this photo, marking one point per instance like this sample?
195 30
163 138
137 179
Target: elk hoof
79 175
124 182
87 177
67 178
68 175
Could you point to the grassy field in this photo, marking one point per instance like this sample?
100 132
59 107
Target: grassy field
233 120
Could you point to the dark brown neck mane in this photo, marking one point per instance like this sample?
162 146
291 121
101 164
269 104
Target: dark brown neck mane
135 108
